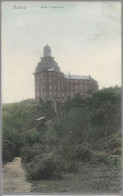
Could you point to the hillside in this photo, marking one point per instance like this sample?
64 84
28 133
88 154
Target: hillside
111 144
82 136
17 118
88 119
80 120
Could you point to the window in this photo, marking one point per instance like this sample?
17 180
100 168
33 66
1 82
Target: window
44 80
50 79
76 87
50 87
41 87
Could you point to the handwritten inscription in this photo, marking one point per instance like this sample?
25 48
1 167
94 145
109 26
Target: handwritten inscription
19 7
51 7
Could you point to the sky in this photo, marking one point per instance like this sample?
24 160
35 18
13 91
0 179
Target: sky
85 39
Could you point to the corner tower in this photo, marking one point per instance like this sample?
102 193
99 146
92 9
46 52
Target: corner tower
47 72
47 62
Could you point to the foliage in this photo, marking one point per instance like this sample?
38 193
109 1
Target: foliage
76 132
96 179
110 144
82 153
71 166
8 152
18 121
31 137
29 152
87 119
44 166
11 144
51 137
21 116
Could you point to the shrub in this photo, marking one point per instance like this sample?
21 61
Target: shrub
82 153
11 144
71 167
45 166
31 136
8 150
51 137
28 153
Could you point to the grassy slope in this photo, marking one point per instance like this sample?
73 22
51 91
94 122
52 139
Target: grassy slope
92 178
94 120
87 120
111 144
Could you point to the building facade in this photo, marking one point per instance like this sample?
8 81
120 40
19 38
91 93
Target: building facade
51 84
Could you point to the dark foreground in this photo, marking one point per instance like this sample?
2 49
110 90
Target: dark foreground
91 178
99 178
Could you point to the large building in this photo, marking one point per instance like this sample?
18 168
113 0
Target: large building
51 84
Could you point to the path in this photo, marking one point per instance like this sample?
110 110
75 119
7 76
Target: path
13 178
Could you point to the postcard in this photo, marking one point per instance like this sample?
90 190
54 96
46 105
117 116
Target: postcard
61 97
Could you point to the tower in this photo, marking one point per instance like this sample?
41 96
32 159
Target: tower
47 51
47 74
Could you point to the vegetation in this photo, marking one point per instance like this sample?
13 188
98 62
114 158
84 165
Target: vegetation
18 122
84 134
91 178
91 118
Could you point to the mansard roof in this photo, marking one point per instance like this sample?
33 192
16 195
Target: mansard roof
78 77
46 64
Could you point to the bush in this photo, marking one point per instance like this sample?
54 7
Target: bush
11 144
45 166
71 167
31 136
28 153
82 153
8 152
51 137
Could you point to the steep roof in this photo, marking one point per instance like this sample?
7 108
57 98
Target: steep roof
46 64
77 77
